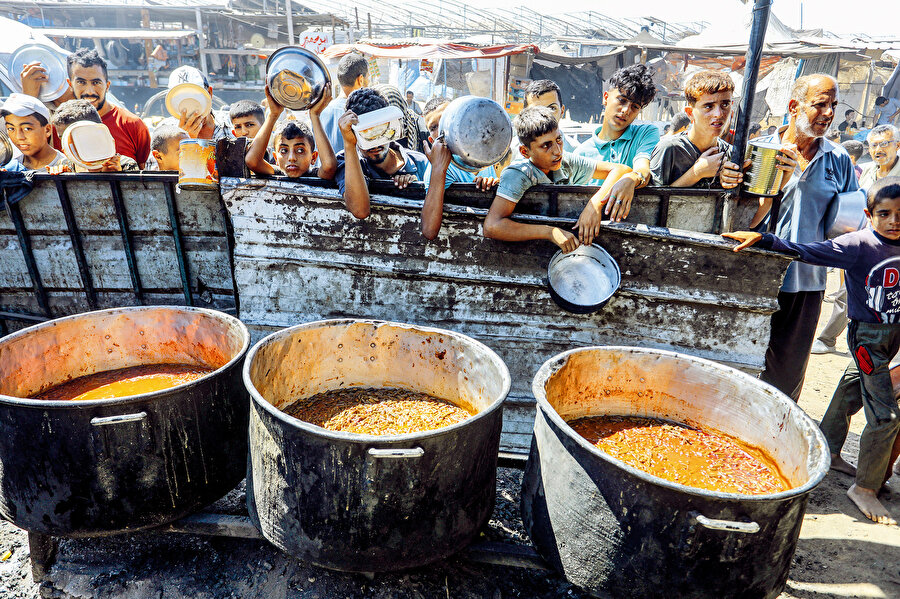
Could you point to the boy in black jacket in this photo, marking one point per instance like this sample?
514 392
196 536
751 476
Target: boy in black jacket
871 261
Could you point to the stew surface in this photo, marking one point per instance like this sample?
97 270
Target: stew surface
698 458
125 382
377 411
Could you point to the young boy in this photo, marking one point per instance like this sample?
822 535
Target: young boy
355 167
28 127
295 144
871 261
442 173
246 118
694 157
544 162
164 143
73 111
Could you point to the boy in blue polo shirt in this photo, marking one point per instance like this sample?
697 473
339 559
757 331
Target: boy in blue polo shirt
618 139
870 258
544 162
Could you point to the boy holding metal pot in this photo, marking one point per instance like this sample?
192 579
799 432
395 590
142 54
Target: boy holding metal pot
871 260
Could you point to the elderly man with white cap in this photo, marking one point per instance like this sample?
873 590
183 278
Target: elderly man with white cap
189 99
28 127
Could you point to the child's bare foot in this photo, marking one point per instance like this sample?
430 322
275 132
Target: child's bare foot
869 505
841 465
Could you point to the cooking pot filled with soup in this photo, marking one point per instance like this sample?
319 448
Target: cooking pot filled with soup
653 474
120 419
373 445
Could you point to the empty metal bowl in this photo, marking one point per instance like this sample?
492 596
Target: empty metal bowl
296 77
477 131
583 280
52 62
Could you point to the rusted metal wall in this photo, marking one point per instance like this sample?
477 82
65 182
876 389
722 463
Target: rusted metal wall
300 256
202 223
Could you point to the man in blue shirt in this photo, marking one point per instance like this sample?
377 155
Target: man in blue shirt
352 74
886 110
824 170
620 141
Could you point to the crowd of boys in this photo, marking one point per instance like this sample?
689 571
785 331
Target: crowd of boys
620 157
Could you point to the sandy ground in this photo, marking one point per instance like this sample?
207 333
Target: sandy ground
840 554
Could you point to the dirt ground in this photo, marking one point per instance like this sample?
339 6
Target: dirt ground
840 554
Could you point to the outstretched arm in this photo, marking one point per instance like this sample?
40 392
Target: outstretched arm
356 189
256 153
327 160
433 208
499 225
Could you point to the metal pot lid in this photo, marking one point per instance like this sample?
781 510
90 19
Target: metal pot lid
55 87
296 77
6 149
586 277
477 131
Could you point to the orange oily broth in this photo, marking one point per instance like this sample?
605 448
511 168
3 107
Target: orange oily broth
125 382
703 459
377 411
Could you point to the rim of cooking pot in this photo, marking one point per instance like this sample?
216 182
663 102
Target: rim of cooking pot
555 363
258 399
92 403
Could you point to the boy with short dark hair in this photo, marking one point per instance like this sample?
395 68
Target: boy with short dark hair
164 146
73 111
871 261
442 173
295 145
356 167
246 118
544 162
695 157
544 92
28 127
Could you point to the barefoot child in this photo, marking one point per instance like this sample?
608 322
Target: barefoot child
871 261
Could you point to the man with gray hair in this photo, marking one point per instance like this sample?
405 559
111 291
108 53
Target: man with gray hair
883 142
824 171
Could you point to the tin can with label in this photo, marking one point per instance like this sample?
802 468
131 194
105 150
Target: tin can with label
197 164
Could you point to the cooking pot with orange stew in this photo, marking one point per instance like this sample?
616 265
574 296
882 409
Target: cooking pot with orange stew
617 531
102 466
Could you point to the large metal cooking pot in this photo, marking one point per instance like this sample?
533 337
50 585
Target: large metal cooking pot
611 528
477 131
296 77
88 468
364 502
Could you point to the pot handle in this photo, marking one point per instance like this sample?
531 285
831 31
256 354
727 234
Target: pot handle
726 525
103 421
413 452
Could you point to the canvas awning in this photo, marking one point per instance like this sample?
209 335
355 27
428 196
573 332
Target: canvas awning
117 34
449 51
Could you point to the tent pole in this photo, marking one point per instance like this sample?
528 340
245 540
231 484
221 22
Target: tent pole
761 10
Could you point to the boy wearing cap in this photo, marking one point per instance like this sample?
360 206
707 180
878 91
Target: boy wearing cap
28 127
198 125
89 81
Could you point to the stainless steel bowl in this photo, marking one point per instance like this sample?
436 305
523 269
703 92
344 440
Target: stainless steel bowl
583 280
845 214
52 62
296 77
6 149
477 131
